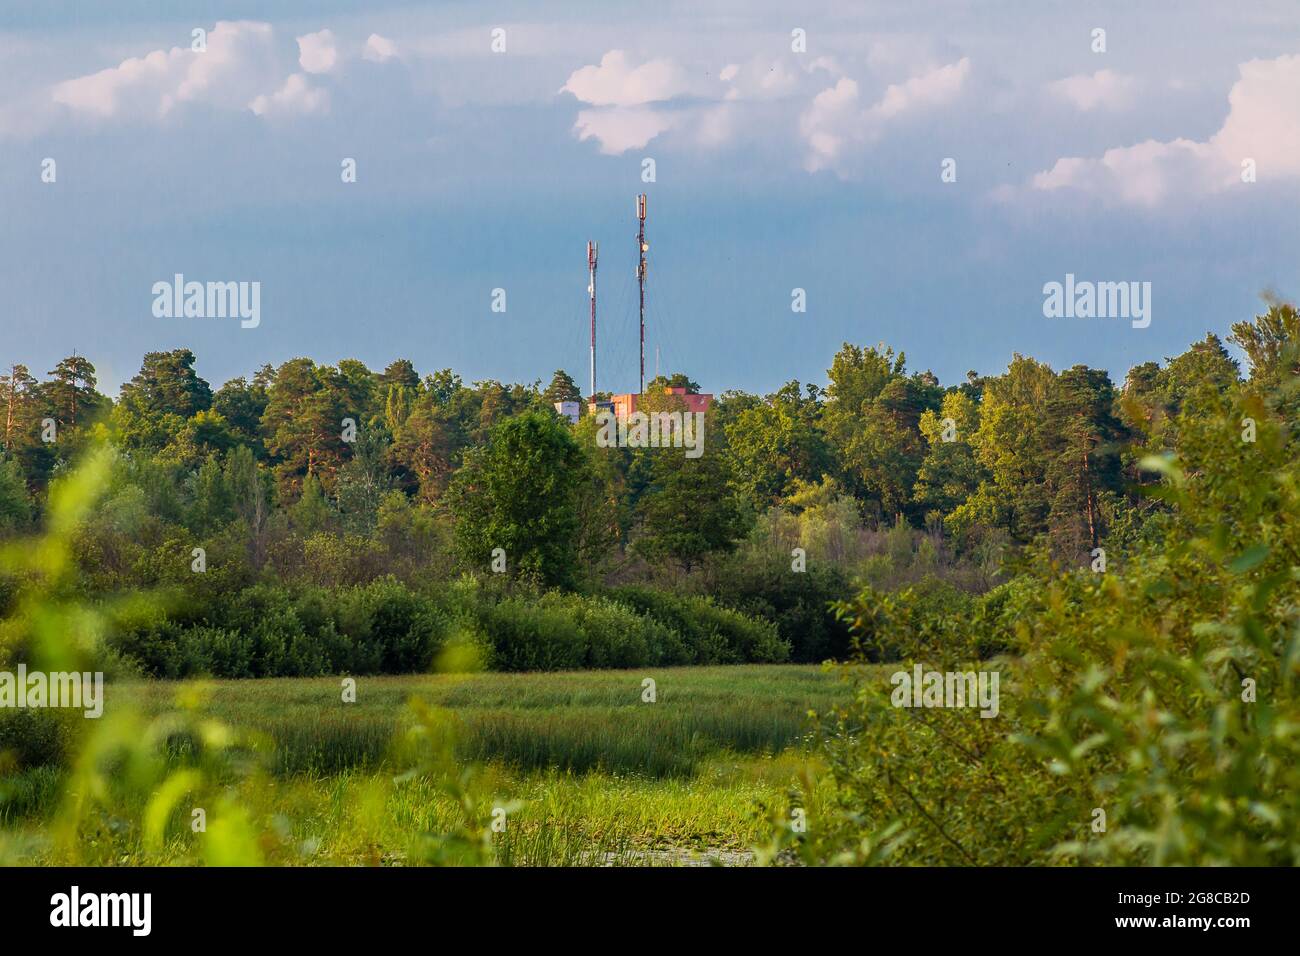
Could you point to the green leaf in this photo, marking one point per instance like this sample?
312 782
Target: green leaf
1249 558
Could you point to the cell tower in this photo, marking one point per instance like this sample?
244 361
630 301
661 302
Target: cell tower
642 249
593 250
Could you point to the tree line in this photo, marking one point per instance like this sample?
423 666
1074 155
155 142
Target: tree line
1030 455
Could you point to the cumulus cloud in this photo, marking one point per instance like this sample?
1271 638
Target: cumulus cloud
758 79
629 104
317 52
239 70
615 82
239 62
829 122
378 49
618 130
836 119
622 94
1262 125
296 96
1103 90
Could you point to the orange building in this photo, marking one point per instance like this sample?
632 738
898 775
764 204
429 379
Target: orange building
625 405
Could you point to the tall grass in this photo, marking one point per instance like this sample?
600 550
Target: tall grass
592 775
580 721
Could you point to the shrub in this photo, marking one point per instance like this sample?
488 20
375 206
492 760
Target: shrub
711 634
763 586
214 651
1164 692
525 636
36 737
929 619
386 627
406 629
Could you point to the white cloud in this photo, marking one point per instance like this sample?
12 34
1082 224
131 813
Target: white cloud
378 49
317 52
615 82
1263 125
827 63
628 103
1263 119
1141 174
831 119
238 62
241 69
836 121
933 88
758 79
623 93
715 125
297 96
618 130
1105 89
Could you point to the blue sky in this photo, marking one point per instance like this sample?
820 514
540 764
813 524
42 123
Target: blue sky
775 169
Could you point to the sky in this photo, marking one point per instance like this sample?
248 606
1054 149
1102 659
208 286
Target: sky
919 170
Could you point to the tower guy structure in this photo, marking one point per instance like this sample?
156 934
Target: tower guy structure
625 404
642 249
593 250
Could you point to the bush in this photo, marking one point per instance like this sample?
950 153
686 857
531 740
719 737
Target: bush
710 634
525 636
1164 692
215 651
386 627
36 737
405 629
800 605
929 620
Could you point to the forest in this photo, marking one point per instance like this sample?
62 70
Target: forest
316 519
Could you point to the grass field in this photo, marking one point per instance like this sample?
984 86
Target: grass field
589 771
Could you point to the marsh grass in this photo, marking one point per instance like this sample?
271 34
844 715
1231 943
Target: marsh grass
592 775
580 721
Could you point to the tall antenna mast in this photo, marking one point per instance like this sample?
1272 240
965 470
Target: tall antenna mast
593 249
642 249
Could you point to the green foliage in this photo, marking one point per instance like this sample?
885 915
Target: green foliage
311 512
121 790
688 511
71 397
1084 461
270 631
922 621
711 634
520 494
1271 342
1162 693
949 473
1013 431
760 584
15 503
562 389
776 443
305 408
260 476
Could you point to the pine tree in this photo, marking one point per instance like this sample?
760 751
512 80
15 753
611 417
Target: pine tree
20 398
